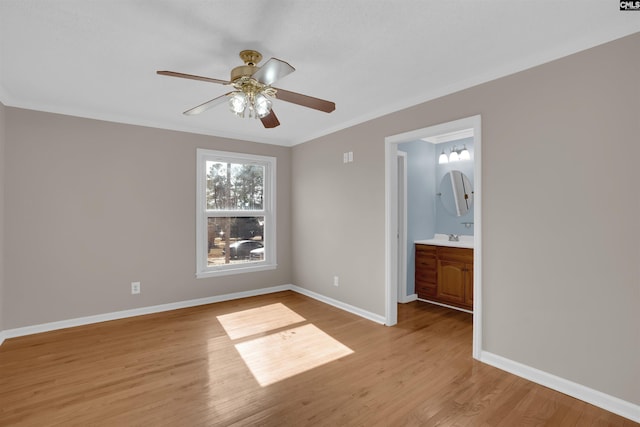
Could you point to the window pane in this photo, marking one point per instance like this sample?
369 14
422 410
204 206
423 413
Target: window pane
234 240
234 201
234 186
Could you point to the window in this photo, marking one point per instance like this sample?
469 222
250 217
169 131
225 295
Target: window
235 213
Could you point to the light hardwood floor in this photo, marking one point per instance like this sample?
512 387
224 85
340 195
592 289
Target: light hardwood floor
275 360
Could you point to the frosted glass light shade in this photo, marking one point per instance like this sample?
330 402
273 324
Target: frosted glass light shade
453 157
443 158
261 105
464 154
238 102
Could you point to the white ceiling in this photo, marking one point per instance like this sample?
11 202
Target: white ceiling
98 58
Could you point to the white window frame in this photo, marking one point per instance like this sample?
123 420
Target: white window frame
203 214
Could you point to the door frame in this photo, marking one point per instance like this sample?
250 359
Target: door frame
402 228
391 218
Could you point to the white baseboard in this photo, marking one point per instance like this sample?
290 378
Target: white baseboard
610 403
80 321
445 305
408 298
339 304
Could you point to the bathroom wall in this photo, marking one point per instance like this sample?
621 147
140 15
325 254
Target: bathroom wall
421 199
425 213
445 222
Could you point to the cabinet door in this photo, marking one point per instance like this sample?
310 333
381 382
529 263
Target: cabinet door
451 283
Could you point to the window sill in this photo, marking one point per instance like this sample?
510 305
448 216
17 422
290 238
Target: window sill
235 270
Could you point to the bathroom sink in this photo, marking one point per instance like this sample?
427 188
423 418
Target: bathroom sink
464 241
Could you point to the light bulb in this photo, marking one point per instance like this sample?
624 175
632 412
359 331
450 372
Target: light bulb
443 158
464 154
238 103
261 105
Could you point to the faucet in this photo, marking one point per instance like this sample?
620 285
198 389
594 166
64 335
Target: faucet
454 238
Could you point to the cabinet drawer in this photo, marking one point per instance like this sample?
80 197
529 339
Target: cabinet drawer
425 289
425 257
455 254
427 275
425 262
425 250
426 265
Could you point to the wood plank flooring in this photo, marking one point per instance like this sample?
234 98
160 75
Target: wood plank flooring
274 360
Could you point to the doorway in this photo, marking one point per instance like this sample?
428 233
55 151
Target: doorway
392 221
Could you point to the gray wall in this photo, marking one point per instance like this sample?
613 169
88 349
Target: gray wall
338 219
561 278
2 185
92 206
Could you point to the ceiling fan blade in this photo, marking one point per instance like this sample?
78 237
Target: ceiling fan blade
305 101
209 104
270 120
272 70
192 77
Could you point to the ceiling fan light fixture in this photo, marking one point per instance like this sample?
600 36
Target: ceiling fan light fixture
253 93
255 105
238 103
261 105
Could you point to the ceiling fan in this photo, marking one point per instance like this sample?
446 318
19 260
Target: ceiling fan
253 89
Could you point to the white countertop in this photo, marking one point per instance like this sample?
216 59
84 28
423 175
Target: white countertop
443 240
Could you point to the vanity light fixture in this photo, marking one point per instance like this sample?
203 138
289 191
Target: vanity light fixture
464 154
443 158
455 155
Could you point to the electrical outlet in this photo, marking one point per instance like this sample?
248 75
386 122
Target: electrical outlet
135 288
336 281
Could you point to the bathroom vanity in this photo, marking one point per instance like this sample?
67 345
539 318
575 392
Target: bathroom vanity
444 271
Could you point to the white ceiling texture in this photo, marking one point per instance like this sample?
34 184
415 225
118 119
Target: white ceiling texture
98 58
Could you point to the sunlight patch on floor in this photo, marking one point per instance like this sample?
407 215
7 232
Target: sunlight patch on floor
276 343
281 355
258 320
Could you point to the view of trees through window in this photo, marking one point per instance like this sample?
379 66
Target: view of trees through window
233 187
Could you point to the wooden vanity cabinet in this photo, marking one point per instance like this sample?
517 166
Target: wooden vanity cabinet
426 271
445 274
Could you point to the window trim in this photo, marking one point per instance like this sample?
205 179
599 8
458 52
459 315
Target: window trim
268 212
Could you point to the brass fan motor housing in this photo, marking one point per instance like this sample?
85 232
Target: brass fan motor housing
250 58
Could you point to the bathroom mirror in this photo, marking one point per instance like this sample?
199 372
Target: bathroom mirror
456 193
